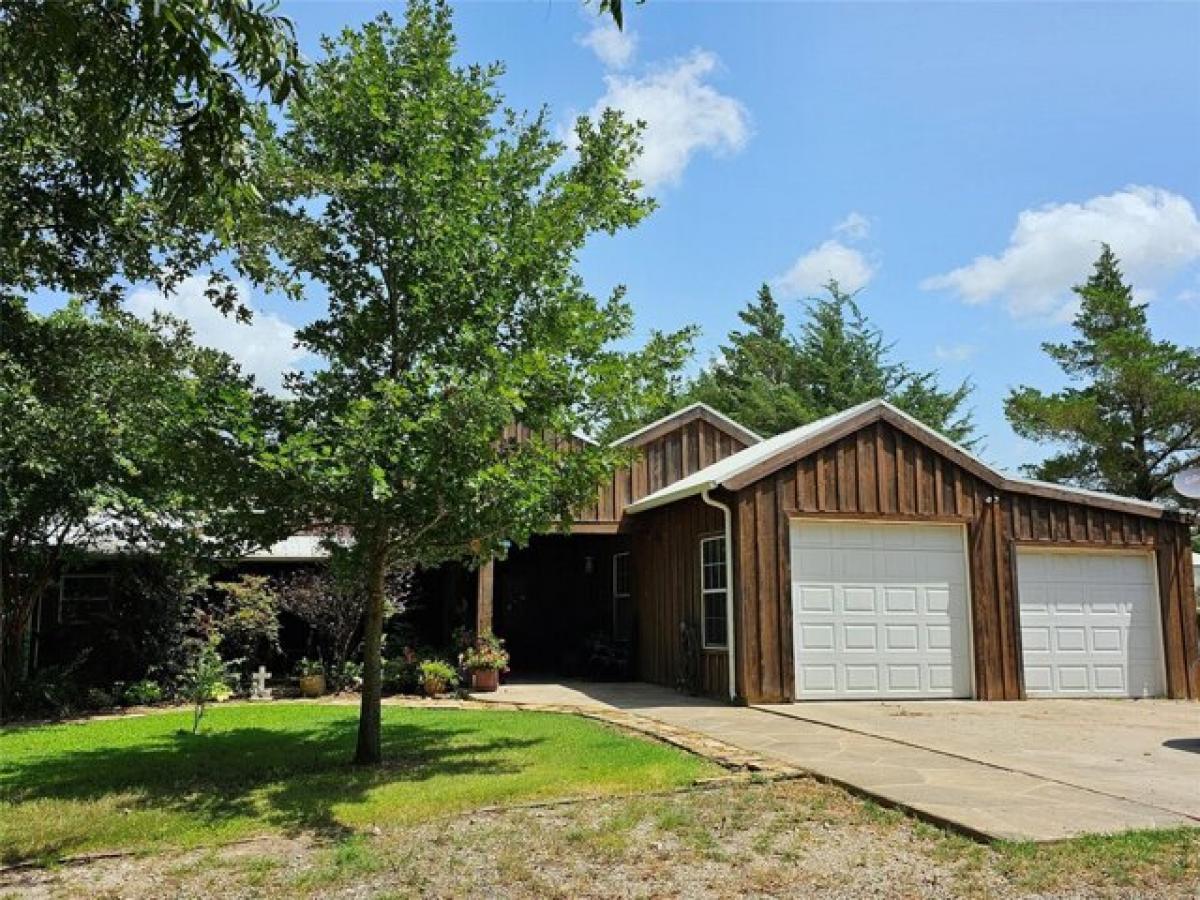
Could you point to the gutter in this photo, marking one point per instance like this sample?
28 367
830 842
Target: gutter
729 628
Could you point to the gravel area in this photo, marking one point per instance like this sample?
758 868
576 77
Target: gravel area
795 838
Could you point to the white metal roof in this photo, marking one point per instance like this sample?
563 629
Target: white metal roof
729 468
298 547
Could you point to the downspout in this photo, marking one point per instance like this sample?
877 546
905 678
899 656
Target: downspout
729 631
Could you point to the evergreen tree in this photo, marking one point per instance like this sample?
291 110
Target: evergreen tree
772 381
843 360
1132 420
756 372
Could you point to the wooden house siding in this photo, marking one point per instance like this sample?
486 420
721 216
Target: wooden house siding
660 461
882 473
666 566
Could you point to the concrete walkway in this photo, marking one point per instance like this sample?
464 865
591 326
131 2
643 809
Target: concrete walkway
987 797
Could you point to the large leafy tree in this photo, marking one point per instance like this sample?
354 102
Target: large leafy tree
444 230
772 380
124 130
118 434
1131 418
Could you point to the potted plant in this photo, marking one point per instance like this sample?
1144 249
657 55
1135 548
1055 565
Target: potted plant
436 677
485 659
312 677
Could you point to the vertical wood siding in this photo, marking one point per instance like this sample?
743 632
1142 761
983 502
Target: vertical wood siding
882 473
660 462
666 565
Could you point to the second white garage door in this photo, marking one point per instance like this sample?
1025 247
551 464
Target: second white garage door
880 610
1089 624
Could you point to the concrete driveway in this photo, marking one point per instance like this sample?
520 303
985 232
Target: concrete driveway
1033 770
1142 751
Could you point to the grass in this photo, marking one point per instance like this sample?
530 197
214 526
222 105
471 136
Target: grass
793 838
1124 860
143 783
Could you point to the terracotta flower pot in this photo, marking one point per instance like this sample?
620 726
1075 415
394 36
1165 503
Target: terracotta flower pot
312 685
433 687
485 680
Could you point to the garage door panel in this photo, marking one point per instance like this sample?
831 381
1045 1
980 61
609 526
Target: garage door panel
1089 624
858 599
881 612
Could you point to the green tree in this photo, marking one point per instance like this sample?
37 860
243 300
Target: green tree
754 379
444 230
124 127
1131 419
117 433
844 361
771 380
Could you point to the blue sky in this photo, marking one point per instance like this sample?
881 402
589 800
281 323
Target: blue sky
960 162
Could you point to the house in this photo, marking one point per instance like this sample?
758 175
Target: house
860 556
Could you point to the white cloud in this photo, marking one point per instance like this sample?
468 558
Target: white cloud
265 347
684 114
849 267
855 227
613 47
1051 248
954 352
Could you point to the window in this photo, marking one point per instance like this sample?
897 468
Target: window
713 579
82 598
621 592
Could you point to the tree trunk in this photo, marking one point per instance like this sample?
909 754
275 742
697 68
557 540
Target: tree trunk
370 750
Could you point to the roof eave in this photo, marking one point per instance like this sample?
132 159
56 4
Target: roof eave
656 501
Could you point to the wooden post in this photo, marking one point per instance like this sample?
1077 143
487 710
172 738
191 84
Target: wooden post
483 596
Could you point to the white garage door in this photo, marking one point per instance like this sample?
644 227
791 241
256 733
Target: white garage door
1089 624
880 610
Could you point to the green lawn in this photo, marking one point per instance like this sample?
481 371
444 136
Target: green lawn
146 782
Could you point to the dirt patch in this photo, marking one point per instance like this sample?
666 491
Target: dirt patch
793 838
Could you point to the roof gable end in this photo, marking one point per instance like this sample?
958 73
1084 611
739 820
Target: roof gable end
679 418
833 428
758 461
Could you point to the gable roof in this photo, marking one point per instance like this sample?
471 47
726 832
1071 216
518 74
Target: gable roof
755 462
681 417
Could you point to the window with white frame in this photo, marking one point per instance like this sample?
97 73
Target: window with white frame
621 592
714 574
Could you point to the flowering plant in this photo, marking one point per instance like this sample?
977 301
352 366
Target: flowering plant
485 652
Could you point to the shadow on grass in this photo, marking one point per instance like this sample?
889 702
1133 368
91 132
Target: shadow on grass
289 777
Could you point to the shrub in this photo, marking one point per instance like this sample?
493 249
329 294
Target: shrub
142 693
97 698
347 676
401 674
53 690
437 677
485 652
307 668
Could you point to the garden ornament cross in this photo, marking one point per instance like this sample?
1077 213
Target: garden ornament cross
260 691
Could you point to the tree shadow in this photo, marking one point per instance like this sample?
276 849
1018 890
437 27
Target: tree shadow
1187 745
287 778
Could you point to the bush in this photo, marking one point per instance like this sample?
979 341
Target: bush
437 677
97 698
401 675
307 668
142 693
52 691
347 676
